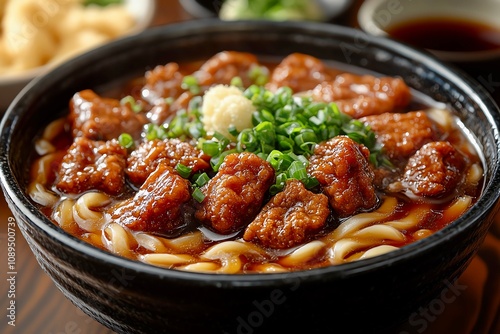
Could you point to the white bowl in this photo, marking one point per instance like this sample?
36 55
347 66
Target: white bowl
376 17
12 84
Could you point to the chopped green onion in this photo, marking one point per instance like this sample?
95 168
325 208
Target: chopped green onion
202 179
198 195
286 129
216 161
126 140
310 182
102 3
210 147
195 104
259 75
237 82
153 131
137 108
169 100
297 170
183 170
220 137
233 131
190 83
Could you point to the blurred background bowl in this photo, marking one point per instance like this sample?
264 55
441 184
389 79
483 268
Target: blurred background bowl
367 296
11 84
467 24
210 8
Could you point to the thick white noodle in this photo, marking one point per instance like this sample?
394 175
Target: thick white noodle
228 249
185 243
474 174
269 268
303 254
230 265
441 117
167 260
43 168
88 219
457 208
63 215
201 267
380 232
43 147
412 219
361 220
119 240
376 251
150 242
344 247
54 129
39 194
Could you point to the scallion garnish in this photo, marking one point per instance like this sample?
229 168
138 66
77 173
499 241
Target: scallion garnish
137 108
102 3
285 130
237 82
190 83
153 131
233 131
183 170
259 75
126 140
198 195
210 147
202 179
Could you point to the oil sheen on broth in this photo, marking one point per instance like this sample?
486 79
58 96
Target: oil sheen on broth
238 165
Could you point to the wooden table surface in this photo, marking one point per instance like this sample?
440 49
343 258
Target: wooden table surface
42 309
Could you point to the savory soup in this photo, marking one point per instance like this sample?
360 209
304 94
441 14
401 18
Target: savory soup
236 165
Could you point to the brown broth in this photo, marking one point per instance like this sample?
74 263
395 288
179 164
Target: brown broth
447 34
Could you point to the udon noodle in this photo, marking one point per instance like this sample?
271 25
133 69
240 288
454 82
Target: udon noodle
111 174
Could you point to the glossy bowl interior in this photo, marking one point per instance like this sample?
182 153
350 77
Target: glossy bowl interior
364 296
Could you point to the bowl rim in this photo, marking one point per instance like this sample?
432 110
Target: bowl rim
35 218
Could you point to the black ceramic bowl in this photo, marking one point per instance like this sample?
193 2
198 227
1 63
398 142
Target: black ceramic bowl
365 296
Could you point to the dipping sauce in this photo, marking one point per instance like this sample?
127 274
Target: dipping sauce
448 34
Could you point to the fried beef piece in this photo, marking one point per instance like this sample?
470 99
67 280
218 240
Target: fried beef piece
92 164
401 135
100 118
434 170
162 82
343 170
360 96
224 66
145 158
161 206
289 218
300 72
234 196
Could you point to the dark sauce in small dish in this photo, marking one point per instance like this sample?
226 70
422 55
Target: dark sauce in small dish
448 34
